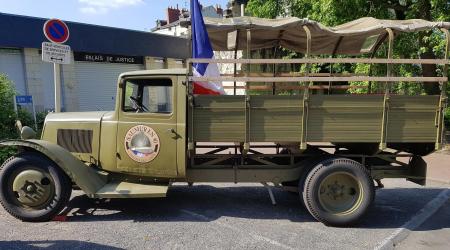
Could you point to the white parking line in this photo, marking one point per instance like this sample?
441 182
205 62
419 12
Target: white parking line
426 212
253 235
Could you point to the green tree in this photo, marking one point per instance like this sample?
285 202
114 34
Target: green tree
7 114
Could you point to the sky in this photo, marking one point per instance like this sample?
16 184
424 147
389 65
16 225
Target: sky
128 14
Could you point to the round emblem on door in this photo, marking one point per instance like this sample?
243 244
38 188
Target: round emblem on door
142 143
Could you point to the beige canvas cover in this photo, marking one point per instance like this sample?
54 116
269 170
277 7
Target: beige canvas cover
356 37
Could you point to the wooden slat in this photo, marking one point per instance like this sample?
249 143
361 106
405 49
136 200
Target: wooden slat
297 87
319 79
304 87
286 74
321 60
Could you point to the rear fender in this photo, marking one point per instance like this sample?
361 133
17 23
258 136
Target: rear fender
88 179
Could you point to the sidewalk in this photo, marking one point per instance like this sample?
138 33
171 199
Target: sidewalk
439 166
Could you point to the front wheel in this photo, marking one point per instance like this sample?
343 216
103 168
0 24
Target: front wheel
33 188
338 192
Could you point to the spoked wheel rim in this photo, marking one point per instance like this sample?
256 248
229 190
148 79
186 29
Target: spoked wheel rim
340 193
31 188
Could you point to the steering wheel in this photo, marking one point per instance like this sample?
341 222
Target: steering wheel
140 107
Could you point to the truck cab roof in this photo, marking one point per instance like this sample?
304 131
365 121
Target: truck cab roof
174 71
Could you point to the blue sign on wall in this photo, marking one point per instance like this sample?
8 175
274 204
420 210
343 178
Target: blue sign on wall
24 99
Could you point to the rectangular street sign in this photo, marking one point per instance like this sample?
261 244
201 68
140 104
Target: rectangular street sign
24 99
55 53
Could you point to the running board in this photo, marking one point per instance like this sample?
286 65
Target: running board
131 190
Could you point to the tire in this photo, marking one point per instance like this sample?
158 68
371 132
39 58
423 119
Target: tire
308 166
48 196
338 192
300 183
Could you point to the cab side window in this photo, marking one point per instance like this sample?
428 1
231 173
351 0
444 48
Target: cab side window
148 96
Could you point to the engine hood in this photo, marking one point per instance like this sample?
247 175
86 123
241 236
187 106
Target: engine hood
75 116
77 132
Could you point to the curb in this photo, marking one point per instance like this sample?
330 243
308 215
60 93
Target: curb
426 212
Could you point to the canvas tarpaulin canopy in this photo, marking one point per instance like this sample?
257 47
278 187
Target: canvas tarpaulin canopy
356 37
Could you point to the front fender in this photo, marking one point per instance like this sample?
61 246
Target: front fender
88 179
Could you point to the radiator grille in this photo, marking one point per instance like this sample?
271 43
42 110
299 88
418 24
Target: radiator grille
75 140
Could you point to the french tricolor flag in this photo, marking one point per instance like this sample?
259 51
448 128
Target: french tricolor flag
201 48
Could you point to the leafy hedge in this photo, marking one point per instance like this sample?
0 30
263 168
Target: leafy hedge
8 116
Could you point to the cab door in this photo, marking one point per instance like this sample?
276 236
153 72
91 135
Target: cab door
147 131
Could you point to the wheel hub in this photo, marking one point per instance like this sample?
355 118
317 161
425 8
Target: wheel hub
335 190
32 188
340 193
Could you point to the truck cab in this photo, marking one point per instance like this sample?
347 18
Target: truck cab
144 135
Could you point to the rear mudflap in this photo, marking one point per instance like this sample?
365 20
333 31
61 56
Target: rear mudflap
418 170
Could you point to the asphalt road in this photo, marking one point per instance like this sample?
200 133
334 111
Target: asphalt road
217 216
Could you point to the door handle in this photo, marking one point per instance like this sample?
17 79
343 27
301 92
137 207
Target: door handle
175 134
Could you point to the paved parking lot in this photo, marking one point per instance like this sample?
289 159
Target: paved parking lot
216 216
433 234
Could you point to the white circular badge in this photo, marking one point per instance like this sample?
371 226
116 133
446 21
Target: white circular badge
142 143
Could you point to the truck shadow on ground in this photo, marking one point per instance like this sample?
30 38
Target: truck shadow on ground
204 203
52 244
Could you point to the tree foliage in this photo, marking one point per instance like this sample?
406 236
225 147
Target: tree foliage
8 116
335 12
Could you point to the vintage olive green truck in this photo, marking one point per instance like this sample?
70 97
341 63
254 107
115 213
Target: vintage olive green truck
332 147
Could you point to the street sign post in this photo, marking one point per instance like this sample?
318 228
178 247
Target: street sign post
57 32
25 100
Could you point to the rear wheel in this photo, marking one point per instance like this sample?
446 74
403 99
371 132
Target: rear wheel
338 192
33 188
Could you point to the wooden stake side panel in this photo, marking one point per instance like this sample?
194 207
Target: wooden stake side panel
331 118
345 118
413 118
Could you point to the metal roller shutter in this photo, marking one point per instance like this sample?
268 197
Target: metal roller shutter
97 83
11 64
